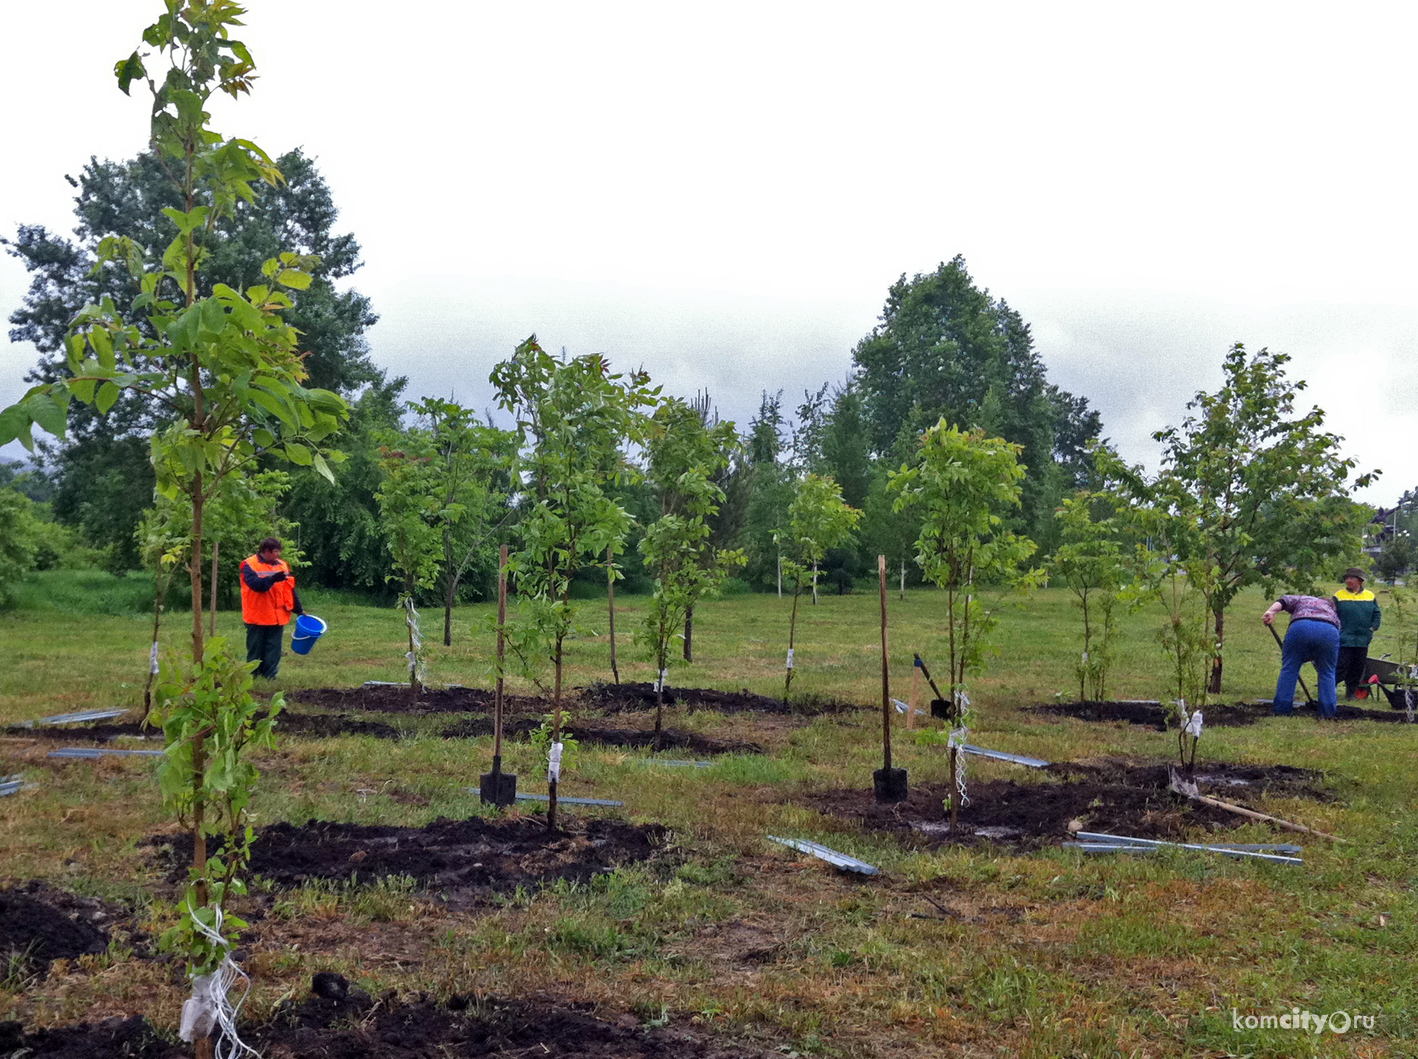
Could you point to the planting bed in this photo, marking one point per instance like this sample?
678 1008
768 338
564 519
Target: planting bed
314 725
459 860
395 698
1112 796
345 1023
632 698
672 738
39 924
1219 715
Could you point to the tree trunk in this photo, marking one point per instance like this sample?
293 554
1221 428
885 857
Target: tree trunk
814 584
689 633
1215 686
660 660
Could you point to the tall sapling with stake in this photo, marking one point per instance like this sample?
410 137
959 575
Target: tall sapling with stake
226 372
573 416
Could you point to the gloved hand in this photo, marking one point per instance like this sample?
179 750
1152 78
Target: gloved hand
278 576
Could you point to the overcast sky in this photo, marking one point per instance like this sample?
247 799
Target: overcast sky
723 193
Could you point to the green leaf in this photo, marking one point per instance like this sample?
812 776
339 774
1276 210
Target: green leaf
294 278
298 454
127 70
83 389
107 394
324 468
49 412
274 405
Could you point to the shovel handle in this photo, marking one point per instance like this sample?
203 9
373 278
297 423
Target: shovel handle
1279 643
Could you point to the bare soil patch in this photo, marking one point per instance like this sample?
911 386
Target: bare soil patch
1119 797
345 1023
39 924
458 860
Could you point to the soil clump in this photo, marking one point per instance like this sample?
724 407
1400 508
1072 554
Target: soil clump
1117 797
349 1024
460 861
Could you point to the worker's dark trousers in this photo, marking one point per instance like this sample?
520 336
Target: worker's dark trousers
1352 662
263 645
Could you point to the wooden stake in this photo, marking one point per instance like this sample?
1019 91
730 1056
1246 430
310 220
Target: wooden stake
1262 816
610 594
501 657
885 671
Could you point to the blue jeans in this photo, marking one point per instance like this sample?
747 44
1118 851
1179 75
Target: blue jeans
1308 640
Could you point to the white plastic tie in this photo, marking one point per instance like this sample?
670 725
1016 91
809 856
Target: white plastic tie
1193 725
790 658
554 762
957 740
153 659
210 1007
663 680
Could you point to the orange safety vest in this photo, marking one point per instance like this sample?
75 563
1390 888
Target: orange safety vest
272 607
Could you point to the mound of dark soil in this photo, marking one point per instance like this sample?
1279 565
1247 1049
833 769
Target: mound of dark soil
670 739
1109 796
633 698
315 725
1218 779
1153 714
39 924
476 727
351 1025
96 733
1220 715
325 726
462 858
395 698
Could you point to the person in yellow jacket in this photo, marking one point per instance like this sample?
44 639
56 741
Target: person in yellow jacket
268 599
1359 619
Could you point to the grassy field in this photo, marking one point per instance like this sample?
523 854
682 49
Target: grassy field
1043 955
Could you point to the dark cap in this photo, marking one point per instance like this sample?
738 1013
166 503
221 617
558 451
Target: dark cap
1354 571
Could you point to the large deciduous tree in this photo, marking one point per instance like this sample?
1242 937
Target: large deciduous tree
1264 489
945 349
105 479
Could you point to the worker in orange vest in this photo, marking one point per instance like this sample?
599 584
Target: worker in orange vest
268 598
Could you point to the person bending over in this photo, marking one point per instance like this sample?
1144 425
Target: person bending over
268 599
1313 636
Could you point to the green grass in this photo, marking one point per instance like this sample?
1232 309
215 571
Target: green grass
1051 954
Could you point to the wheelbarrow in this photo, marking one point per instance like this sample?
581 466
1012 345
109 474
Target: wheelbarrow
1399 683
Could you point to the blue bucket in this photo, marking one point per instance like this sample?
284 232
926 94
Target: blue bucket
308 629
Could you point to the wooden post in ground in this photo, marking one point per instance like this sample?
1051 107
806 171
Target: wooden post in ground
497 703
610 594
885 671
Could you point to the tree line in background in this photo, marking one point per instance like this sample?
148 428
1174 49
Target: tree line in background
410 511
